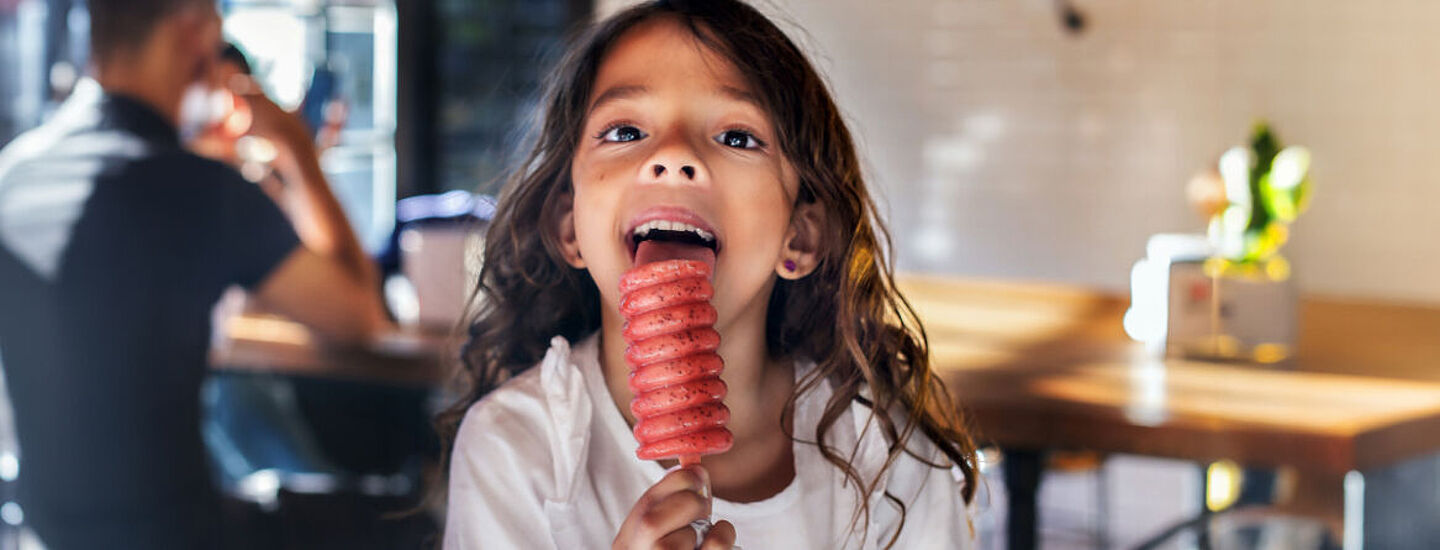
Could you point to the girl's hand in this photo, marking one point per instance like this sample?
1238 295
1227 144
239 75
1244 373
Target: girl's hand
662 516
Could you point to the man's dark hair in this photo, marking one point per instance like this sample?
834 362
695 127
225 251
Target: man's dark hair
232 53
122 25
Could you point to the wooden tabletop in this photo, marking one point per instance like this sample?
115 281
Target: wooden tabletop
1048 367
258 342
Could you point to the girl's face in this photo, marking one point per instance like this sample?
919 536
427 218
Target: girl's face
674 133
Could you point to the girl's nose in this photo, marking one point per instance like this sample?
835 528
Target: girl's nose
674 161
686 169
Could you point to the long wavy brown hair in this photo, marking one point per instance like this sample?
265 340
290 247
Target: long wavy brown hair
847 316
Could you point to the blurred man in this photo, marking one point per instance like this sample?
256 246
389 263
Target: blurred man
114 244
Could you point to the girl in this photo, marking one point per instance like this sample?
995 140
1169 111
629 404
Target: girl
703 114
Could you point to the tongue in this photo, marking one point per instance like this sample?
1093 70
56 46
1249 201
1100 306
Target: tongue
659 251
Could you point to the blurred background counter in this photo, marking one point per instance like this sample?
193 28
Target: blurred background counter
1046 373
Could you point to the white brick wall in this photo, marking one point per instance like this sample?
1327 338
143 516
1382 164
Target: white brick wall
1006 148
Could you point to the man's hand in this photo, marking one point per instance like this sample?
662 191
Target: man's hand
268 120
264 119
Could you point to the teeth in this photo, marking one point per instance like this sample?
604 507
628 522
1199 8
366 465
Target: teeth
644 229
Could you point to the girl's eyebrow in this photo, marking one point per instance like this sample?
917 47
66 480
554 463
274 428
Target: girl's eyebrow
738 94
615 93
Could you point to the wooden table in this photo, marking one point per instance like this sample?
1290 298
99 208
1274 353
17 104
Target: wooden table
1042 367
267 343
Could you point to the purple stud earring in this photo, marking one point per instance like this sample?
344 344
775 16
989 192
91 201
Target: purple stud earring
790 265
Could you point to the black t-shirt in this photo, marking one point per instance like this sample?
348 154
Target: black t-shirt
115 243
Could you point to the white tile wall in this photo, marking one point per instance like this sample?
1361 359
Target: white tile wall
1005 147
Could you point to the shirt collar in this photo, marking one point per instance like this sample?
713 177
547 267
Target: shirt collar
121 112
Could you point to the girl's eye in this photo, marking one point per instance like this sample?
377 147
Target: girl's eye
622 133
739 139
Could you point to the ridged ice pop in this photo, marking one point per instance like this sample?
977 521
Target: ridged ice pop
675 372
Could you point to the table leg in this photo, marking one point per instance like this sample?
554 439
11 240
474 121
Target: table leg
1022 483
1353 537
1202 521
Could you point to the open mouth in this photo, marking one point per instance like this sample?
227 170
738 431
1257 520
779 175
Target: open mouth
676 232
657 240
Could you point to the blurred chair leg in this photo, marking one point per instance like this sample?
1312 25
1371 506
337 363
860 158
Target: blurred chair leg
1022 484
1102 507
1202 535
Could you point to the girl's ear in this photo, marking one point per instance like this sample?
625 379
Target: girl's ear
801 252
565 231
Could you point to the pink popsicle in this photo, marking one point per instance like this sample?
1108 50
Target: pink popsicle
675 372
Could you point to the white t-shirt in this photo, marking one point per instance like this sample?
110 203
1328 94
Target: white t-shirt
547 461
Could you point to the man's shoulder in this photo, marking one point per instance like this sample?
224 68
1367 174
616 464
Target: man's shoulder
187 166
49 153
32 149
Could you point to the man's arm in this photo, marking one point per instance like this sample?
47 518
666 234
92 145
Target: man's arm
316 291
329 283
313 208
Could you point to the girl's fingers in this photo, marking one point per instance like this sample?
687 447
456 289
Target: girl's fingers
683 539
667 507
720 537
693 479
671 514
